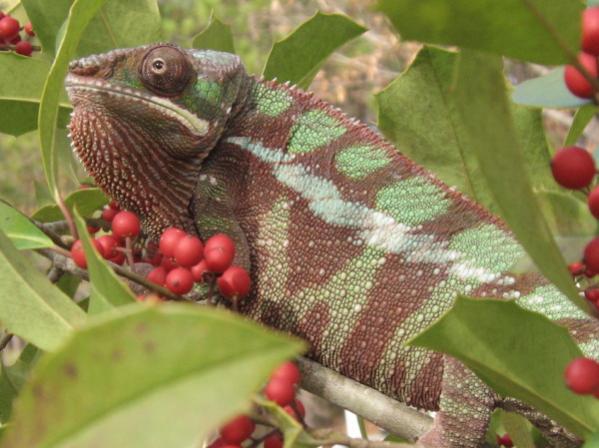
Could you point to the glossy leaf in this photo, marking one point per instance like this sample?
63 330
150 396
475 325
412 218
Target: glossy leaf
298 57
87 202
32 307
21 231
107 291
21 83
119 24
519 353
582 118
547 91
519 430
216 36
79 17
492 137
592 441
134 370
532 30
424 94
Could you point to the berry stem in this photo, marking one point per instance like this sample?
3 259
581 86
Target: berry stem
129 252
123 272
67 216
570 54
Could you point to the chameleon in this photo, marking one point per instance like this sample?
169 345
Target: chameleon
351 246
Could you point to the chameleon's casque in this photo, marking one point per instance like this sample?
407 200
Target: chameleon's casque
351 245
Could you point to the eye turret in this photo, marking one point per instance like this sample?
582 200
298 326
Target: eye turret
165 70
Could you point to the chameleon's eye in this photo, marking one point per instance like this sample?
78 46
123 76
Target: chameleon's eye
165 71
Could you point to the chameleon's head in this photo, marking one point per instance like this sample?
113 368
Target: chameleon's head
144 119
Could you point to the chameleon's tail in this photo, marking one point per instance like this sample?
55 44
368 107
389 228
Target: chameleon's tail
556 435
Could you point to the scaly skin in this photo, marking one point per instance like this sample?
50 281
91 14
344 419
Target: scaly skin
351 245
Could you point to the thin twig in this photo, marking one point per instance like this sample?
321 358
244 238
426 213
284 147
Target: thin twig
67 216
54 274
63 260
50 232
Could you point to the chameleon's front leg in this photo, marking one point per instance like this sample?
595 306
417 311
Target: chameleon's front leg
464 410
212 209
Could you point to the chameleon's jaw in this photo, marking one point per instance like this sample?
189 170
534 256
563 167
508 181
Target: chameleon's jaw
78 86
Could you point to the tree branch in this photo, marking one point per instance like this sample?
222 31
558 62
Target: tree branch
385 412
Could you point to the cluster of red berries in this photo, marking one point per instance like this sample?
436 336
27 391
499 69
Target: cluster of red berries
574 79
582 376
179 260
10 35
574 168
124 225
281 389
183 259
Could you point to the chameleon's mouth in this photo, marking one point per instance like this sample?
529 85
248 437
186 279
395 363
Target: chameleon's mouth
76 85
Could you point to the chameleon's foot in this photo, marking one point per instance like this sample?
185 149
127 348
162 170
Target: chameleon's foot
465 410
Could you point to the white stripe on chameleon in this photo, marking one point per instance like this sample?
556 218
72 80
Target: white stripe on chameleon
590 349
550 302
378 229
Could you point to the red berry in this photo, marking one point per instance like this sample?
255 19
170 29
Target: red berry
235 281
199 270
582 376
280 391
591 255
590 30
577 268
125 224
109 245
9 28
157 275
219 252
2 15
593 202
78 255
23 47
218 443
300 409
169 240
168 263
575 81
238 429
588 273
505 440
179 280
113 205
92 229
287 371
28 28
155 260
108 214
189 251
273 441
592 295
573 167
119 258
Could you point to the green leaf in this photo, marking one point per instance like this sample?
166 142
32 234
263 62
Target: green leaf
80 14
137 369
519 353
424 94
547 91
566 214
582 117
408 106
293 432
21 83
118 24
592 441
519 429
490 129
87 201
32 307
21 231
532 30
107 291
298 57
216 36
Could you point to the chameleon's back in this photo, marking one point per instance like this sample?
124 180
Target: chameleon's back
356 248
